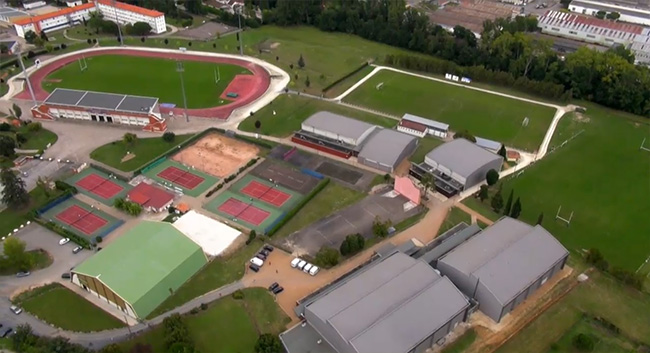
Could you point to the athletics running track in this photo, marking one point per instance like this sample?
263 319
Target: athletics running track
257 88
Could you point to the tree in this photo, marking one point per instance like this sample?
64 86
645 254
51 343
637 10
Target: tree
565 3
506 210
112 348
7 146
327 257
516 209
268 343
169 136
34 126
380 228
622 52
140 29
142 348
5 127
427 183
497 201
540 219
466 135
49 48
251 236
352 244
166 41
601 14
194 6
502 152
129 138
30 36
258 124
14 194
17 111
492 177
38 42
14 251
583 342
4 49
483 193
23 338
613 16
44 36
307 82
301 62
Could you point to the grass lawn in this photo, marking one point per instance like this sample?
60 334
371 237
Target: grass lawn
145 150
219 272
411 221
462 343
454 216
602 177
228 325
605 341
348 82
292 110
329 200
485 115
483 207
63 308
40 258
425 145
153 77
600 296
38 140
12 219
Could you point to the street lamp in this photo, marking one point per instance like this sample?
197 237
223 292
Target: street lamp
117 21
180 69
29 84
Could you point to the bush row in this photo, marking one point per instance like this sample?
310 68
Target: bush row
110 172
64 233
298 207
345 77
63 186
231 177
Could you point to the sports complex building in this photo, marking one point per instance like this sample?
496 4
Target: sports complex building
100 107
457 165
141 268
420 127
374 146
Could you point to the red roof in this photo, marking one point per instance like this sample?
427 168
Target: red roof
150 196
412 125
69 10
132 8
512 155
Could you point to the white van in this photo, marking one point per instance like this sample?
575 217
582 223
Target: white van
295 262
314 270
257 262
301 264
307 268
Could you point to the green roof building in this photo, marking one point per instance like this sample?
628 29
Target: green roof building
140 269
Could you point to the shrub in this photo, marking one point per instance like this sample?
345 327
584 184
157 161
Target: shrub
352 244
169 137
583 342
34 126
203 306
194 311
63 46
492 177
5 127
238 295
326 257
98 239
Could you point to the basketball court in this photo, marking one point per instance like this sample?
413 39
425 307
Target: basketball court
246 212
81 219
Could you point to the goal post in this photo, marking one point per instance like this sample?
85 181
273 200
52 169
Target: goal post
558 216
217 75
83 65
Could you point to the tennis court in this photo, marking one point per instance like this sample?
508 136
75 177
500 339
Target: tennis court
244 211
184 178
102 187
265 193
99 185
81 219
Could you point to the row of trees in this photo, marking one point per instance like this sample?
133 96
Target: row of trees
597 259
505 55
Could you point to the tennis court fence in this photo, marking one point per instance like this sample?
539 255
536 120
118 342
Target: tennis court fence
59 200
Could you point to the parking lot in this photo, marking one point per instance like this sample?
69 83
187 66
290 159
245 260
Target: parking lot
46 169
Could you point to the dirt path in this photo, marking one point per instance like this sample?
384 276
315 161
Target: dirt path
474 214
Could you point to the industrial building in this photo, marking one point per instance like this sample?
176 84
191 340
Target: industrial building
630 11
394 304
374 146
490 145
503 265
140 269
420 127
594 30
457 165
99 107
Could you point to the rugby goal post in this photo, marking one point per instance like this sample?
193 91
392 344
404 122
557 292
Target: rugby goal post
217 76
379 86
83 65
643 147
558 216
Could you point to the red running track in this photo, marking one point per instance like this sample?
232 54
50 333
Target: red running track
257 88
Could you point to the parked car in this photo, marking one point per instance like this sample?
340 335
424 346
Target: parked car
273 286
65 275
278 290
257 262
265 252
301 264
23 274
314 270
307 268
77 250
295 262
64 241
268 248
16 310
261 256
254 267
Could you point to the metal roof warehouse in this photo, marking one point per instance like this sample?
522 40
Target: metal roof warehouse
98 100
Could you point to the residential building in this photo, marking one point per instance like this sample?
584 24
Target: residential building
129 14
73 3
32 4
54 20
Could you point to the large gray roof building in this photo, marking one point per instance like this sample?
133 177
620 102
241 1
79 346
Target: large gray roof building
396 304
504 264
338 127
386 149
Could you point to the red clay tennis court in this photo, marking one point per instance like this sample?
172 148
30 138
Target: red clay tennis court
265 193
244 211
81 219
181 177
99 186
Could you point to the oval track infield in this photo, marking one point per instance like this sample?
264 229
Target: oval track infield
249 87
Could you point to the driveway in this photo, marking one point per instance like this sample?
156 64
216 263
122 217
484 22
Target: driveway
36 168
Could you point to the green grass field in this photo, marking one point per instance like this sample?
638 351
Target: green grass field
425 145
454 216
344 85
605 341
483 114
144 149
292 110
12 219
228 325
602 177
63 308
461 343
151 77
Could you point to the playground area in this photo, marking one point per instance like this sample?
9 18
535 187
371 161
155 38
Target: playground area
217 155
179 177
98 185
80 218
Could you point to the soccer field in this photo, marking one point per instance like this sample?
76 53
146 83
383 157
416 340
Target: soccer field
483 114
148 77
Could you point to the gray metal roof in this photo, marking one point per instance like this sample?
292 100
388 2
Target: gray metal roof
452 238
390 307
11 12
631 10
338 124
461 156
507 256
489 144
303 339
98 100
426 122
386 146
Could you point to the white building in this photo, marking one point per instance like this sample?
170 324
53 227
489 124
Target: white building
638 13
76 12
593 30
130 14
73 3
32 4
418 126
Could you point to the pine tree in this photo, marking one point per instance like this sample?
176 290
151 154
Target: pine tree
506 211
14 194
540 218
301 62
497 201
502 152
516 209
483 193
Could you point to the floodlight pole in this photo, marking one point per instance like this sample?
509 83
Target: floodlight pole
180 69
241 47
29 84
117 22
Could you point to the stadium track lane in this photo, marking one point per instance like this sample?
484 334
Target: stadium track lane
220 112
